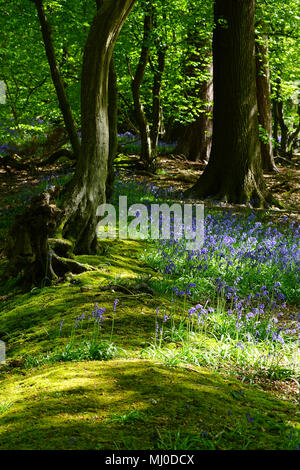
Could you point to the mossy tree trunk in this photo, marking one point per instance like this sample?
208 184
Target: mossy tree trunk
33 256
30 252
87 189
234 170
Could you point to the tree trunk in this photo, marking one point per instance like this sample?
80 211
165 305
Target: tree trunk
264 103
234 172
36 258
282 143
275 126
293 136
113 127
56 78
32 255
147 155
283 149
158 71
27 244
86 191
195 141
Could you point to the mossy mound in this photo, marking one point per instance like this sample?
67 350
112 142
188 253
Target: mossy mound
30 322
138 404
121 404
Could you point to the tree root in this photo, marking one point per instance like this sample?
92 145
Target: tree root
35 258
57 155
250 191
62 266
139 289
61 247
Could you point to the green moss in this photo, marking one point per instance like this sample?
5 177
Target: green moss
77 405
74 406
30 322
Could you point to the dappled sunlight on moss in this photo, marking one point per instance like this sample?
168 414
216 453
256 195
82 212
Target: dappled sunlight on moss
71 406
94 405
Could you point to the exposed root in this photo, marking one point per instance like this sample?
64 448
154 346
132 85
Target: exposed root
62 266
56 156
61 247
139 289
37 259
250 192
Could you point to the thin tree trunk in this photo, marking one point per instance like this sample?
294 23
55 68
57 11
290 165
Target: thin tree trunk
292 138
113 122
87 189
264 102
113 127
156 91
195 141
275 126
146 149
56 78
279 121
283 149
234 172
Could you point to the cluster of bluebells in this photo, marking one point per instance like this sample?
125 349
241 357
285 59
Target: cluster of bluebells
240 253
254 318
12 132
186 292
141 191
8 149
97 316
131 138
252 267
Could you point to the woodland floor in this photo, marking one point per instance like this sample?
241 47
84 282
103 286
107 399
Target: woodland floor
133 401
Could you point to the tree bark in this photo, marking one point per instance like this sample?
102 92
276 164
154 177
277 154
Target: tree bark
56 78
113 127
263 88
195 141
158 71
147 155
282 145
87 189
113 123
275 126
27 244
36 258
234 172
292 138
283 148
